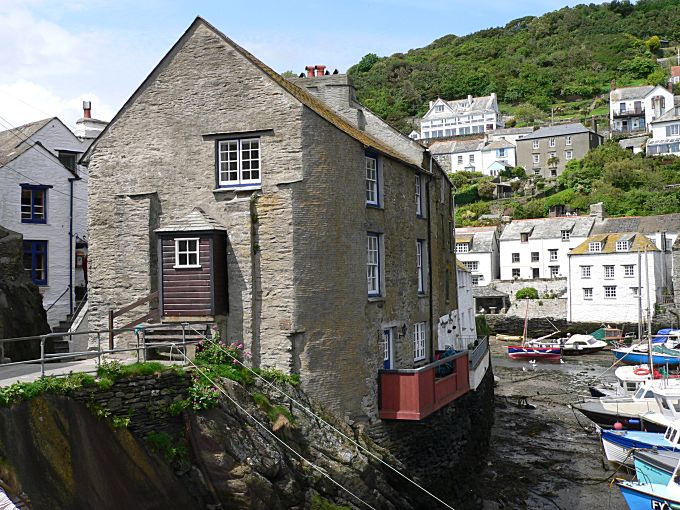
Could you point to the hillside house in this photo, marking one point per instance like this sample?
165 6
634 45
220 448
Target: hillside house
538 248
474 155
461 117
295 220
547 150
666 132
608 278
477 249
43 196
634 108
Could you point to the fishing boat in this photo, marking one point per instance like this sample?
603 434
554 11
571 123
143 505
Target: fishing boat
619 444
652 496
667 396
581 344
652 466
661 355
536 349
628 381
606 412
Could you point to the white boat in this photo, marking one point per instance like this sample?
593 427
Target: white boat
581 344
667 395
619 444
628 381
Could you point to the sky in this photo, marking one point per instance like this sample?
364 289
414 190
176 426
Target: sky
56 53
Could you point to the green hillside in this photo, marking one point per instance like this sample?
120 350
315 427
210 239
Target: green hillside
567 55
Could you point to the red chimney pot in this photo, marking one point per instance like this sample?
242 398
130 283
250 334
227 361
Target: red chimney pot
319 70
310 71
87 107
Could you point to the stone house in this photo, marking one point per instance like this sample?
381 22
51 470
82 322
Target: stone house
666 132
634 108
477 248
611 274
284 212
537 248
461 117
547 150
43 196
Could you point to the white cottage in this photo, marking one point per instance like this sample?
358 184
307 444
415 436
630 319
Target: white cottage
477 250
666 133
461 117
604 276
634 108
538 248
43 196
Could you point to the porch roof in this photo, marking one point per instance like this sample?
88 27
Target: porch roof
196 221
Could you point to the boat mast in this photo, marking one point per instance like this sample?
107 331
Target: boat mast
649 324
639 296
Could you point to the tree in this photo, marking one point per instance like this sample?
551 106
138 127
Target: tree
367 62
288 74
653 43
526 293
625 174
486 190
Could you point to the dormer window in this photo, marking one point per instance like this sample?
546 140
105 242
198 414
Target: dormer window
439 108
595 247
622 245
462 247
524 237
566 235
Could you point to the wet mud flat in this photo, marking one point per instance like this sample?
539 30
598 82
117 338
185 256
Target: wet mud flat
543 454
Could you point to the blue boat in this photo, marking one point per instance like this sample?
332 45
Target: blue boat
660 356
652 496
619 444
652 466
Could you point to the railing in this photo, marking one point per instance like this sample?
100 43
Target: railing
57 300
636 112
141 348
413 394
154 314
477 355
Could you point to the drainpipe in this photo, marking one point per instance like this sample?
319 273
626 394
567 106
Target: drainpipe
429 260
70 246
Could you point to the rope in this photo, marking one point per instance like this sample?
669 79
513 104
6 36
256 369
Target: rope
319 418
266 429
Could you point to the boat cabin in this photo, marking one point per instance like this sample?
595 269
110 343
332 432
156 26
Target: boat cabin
669 401
192 268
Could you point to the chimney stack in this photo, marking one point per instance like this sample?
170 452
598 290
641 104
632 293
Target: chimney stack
319 70
310 71
87 108
469 99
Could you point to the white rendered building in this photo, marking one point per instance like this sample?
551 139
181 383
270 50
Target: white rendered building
666 133
474 155
477 250
538 248
461 117
634 108
604 276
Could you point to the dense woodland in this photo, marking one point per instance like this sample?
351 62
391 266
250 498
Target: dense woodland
533 63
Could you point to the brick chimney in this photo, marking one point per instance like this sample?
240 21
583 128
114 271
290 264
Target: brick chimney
310 71
319 70
87 109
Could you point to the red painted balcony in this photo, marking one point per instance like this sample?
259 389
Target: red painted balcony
413 394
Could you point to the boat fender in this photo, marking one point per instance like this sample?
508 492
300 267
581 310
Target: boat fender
633 421
618 426
641 371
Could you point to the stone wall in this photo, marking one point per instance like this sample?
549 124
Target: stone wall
21 308
542 285
550 308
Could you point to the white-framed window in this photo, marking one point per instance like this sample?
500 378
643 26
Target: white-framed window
238 163
553 255
673 130
554 271
460 160
372 197
419 197
420 268
622 107
587 293
585 271
609 272
501 153
595 247
419 341
373 264
551 142
187 252
535 256
566 235
515 273
535 144
628 270
568 155
471 158
610 291
622 245
515 258
462 247
536 159
567 140
476 278
471 265
635 291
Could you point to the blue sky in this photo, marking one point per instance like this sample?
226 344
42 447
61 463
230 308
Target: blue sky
56 53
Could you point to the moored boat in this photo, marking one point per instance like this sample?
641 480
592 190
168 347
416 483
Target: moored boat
606 412
619 444
582 344
534 352
652 496
652 466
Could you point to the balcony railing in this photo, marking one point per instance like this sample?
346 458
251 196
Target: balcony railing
413 394
478 353
636 112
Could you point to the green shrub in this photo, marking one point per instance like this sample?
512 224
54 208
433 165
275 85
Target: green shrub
526 293
482 326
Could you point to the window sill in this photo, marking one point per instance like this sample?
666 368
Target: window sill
375 299
422 294
34 222
254 187
187 267
374 206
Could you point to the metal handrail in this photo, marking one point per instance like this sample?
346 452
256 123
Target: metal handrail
80 306
424 368
57 300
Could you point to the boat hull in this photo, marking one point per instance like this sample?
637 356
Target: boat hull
529 352
655 467
618 447
577 352
635 358
606 419
645 496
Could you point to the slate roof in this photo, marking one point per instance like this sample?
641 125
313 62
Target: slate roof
306 98
487 292
642 224
548 228
672 114
633 141
11 144
560 130
196 221
511 131
625 93
479 105
481 237
456 146
498 144
640 242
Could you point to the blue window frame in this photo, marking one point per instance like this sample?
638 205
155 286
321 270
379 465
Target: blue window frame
35 261
34 203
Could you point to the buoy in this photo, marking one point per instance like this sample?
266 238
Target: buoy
641 371
618 426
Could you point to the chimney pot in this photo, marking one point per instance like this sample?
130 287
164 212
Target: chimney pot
319 70
310 71
87 107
